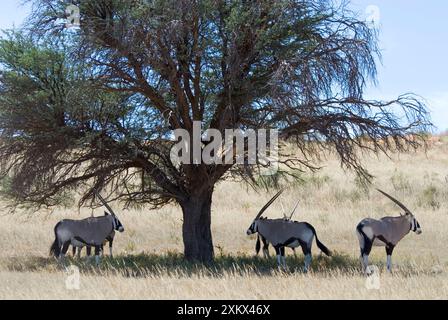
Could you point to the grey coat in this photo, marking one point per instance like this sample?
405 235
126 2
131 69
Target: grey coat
279 231
388 230
90 231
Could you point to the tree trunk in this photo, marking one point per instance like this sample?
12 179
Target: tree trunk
196 229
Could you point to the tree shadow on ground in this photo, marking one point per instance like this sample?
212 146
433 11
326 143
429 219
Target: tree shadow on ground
174 264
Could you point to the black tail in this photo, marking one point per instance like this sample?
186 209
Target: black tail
359 229
258 245
55 248
367 243
320 245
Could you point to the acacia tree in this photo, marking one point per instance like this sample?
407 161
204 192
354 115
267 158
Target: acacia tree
99 112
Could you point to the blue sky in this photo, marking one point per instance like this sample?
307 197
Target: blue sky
414 43
413 39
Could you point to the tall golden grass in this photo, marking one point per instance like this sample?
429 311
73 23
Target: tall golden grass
149 265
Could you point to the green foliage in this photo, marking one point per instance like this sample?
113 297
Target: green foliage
50 118
136 70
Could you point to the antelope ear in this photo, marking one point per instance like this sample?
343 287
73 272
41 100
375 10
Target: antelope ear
106 213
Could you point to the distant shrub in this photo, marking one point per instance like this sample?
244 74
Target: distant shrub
429 198
400 182
339 195
352 196
272 181
355 195
318 181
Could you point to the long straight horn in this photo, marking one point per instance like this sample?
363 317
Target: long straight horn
268 204
104 202
294 210
396 201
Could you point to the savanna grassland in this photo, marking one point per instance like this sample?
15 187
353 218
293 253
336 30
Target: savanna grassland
148 262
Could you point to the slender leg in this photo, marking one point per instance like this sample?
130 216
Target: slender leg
110 247
265 253
97 254
306 249
282 253
365 261
89 250
265 248
257 245
57 250
295 253
389 251
279 257
308 260
361 258
366 251
74 251
64 250
79 252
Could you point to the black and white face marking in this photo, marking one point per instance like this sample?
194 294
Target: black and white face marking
252 229
415 226
117 225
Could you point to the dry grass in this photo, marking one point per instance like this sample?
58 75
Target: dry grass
149 266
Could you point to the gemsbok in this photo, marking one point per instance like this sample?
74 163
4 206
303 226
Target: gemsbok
266 243
387 232
89 232
77 246
281 234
